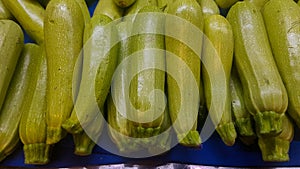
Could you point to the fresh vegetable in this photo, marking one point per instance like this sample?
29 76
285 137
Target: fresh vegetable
33 127
258 3
276 148
84 10
183 100
99 62
282 20
11 44
83 144
4 12
265 95
219 33
148 66
209 7
242 118
11 111
132 11
64 24
109 8
30 14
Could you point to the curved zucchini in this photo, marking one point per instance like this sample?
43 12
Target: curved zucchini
282 20
258 3
226 3
64 24
209 7
109 8
265 95
15 100
219 32
187 100
33 127
98 68
4 12
11 44
30 14
276 148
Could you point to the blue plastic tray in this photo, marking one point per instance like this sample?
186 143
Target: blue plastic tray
213 152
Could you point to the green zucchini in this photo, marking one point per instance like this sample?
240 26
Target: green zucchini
99 63
131 12
84 10
32 130
109 8
242 118
64 24
183 100
209 7
258 3
15 100
219 33
124 3
276 148
83 144
265 95
4 12
11 44
282 20
30 15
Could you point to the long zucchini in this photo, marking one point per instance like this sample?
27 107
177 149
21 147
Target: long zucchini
64 24
226 3
183 88
4 12
11 111
109 8
219 33
11 44
30 14
265 95
209 7
284 34
33 127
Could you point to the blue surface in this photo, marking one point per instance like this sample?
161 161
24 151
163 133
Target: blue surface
213 152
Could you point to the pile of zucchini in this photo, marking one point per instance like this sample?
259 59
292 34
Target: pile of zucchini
80 73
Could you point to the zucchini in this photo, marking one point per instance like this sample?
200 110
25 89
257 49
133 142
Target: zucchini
84 10
30 15
132 11
109 8
147 68
124 3
44 3
209 7
276 148
258 3
32 130
242 118
64 24
283 29
226 3
219 33
99 63
11 44
83 144
4 12
15 100
183 87
265 95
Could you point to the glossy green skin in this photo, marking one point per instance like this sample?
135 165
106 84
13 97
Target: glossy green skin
109 8
130 12
30 14
11 44
219 32
15 101
191 11
258 3
33 127
4 12
98 68
209 7
84 10
63 43
265 95
281 20
148 80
